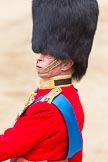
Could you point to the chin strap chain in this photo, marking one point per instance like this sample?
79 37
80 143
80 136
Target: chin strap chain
54 64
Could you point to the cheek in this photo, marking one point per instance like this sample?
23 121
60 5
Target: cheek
56 71
48 61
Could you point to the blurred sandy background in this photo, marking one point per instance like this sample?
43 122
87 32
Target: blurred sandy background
18 76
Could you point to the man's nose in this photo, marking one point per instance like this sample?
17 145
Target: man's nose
40 57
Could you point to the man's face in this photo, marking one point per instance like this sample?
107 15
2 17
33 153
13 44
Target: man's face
43 61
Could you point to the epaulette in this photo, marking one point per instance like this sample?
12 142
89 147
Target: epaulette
51 95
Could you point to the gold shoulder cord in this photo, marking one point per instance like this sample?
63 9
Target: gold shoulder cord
30 98
51 95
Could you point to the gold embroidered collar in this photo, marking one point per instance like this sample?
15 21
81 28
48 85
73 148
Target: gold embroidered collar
61 81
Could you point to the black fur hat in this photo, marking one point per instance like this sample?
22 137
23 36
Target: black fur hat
65 29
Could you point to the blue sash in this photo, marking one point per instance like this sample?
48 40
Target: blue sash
75 139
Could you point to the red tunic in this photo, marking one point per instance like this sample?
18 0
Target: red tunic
40 133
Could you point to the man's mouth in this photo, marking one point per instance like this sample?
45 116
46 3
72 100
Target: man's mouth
38 67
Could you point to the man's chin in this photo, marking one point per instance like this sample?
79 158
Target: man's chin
43 75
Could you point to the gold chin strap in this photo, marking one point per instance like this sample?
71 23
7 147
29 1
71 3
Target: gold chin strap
54 64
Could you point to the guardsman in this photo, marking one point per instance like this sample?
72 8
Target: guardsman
50 126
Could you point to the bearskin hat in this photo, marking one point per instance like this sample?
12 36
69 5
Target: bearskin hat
65 29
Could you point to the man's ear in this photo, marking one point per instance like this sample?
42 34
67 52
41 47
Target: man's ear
67 64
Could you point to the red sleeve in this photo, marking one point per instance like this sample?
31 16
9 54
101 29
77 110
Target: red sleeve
34 127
